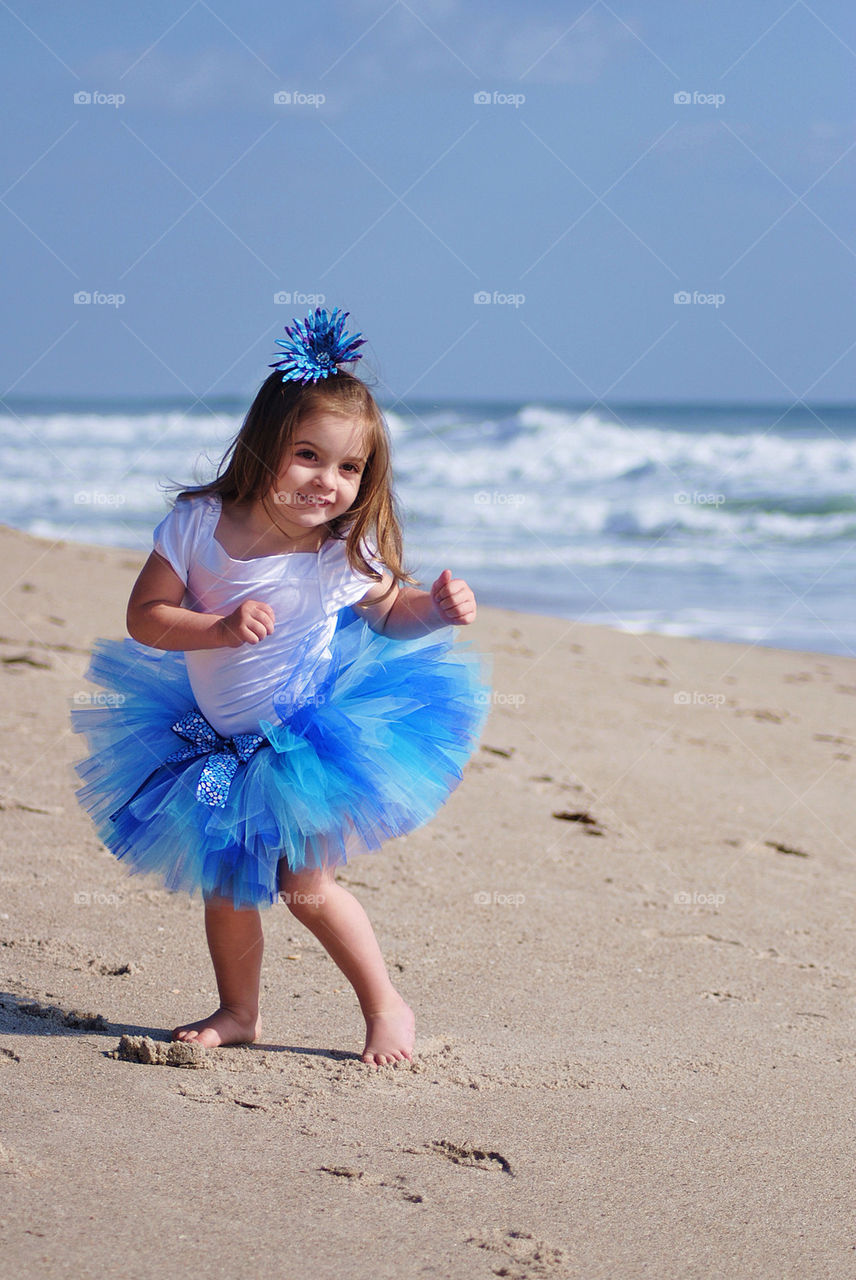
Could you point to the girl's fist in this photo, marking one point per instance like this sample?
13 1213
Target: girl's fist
453 599
248 624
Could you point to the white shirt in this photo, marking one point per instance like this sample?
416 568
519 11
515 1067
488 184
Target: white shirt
234 687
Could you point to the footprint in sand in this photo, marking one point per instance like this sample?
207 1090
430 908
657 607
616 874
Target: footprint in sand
524 1257
360 1178
472 1157
590 825
25 660
764 713
247 1096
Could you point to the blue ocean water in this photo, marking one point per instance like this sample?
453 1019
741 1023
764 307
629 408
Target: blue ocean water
731 522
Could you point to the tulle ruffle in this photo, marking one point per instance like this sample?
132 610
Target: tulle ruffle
371 752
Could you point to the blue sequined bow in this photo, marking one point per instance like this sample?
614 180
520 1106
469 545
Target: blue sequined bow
225 754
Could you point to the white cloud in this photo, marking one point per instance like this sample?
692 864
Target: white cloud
489 42
171 79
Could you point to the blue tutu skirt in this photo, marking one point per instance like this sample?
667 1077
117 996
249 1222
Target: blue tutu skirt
372 753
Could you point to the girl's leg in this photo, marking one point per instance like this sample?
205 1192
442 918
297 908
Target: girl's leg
236 944
342 927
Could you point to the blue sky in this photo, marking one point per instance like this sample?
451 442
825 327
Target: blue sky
580 198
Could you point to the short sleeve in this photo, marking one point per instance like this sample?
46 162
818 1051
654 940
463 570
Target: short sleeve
340 584
371 554
175 535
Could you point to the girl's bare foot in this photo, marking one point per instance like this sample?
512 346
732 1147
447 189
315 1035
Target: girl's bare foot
222 1027
389 1034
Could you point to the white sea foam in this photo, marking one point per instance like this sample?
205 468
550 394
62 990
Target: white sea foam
678 502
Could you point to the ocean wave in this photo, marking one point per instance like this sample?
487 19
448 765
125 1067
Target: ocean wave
532 495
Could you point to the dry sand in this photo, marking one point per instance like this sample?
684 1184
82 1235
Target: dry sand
628 939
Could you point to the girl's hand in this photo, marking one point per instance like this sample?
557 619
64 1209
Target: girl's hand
453 599
248 624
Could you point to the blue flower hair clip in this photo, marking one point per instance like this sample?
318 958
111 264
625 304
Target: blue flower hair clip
315 346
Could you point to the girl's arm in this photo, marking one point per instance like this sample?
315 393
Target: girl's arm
155 615
410 612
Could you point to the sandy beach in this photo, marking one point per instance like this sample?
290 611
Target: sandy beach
628 939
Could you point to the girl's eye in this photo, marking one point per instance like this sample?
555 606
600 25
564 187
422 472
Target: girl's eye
311 456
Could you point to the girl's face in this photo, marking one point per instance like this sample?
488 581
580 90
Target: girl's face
320 478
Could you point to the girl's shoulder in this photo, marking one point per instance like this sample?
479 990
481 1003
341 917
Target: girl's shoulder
182 531
335 552
194 507
341 584
197 501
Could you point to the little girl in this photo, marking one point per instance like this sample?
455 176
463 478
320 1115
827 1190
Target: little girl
288 696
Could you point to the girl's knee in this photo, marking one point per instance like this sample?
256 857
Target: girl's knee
305 892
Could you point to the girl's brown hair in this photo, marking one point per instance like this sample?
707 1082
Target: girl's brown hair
254 458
